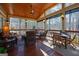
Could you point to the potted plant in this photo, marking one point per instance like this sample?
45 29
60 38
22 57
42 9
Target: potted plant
3 51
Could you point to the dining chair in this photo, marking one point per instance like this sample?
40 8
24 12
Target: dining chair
56 38
69 41
43 36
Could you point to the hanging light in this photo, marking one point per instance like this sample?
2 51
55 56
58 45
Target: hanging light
5 28
31 11
43 20
7 19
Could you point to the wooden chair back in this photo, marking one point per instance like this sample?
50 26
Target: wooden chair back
73 38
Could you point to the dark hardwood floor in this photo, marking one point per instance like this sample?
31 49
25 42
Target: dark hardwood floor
32 49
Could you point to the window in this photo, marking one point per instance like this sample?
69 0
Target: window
41 25
31 24
72 20
48 24
23 24
14 23
67 22
68 4
17 23
54 9
0 23
54 23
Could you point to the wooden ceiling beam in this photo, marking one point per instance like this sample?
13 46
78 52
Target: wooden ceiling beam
2 12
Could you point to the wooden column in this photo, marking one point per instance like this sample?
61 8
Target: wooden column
37 25
25 24
63 17
45 21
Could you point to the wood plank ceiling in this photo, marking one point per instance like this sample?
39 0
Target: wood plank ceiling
24 9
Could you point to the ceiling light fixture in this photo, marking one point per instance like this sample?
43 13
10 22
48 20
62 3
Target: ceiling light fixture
31 9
